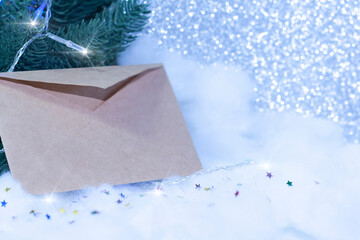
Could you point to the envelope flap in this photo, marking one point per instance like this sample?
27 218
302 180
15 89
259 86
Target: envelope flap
94 77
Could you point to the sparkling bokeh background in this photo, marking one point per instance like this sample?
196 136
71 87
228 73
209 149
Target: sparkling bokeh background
303 55
301 58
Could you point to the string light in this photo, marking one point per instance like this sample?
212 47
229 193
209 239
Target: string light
39 11
43 32
68 43
174 181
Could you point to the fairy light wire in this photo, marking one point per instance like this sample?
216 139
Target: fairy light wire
41 34
178 180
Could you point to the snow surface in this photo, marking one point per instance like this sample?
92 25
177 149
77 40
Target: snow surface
323 202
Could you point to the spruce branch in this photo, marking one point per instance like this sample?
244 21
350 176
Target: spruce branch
106 27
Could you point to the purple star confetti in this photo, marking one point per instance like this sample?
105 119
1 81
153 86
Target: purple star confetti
158 188
237 193
118 201
197 186
269 175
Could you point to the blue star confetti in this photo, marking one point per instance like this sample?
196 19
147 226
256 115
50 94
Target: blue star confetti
106 192
95 212
3 203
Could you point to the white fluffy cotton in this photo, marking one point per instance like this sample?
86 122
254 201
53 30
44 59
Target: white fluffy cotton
217 105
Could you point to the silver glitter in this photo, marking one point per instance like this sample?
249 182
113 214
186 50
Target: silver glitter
302 54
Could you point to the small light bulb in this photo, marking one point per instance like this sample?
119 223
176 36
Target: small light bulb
33 23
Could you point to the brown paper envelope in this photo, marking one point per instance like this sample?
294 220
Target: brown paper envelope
68 129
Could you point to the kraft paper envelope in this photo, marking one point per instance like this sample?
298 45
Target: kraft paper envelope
68 129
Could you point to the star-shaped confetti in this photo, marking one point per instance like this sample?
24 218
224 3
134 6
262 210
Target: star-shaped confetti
269 175
127 205
118 201
95 212
289 183
237 193
317 182
62 210
3 203
7 189
48 217
122 195
75 212
197 186
33 213
207 189
106 192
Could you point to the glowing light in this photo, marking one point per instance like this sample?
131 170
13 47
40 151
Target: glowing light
158 190
85 51
265 166
49 199
33 23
